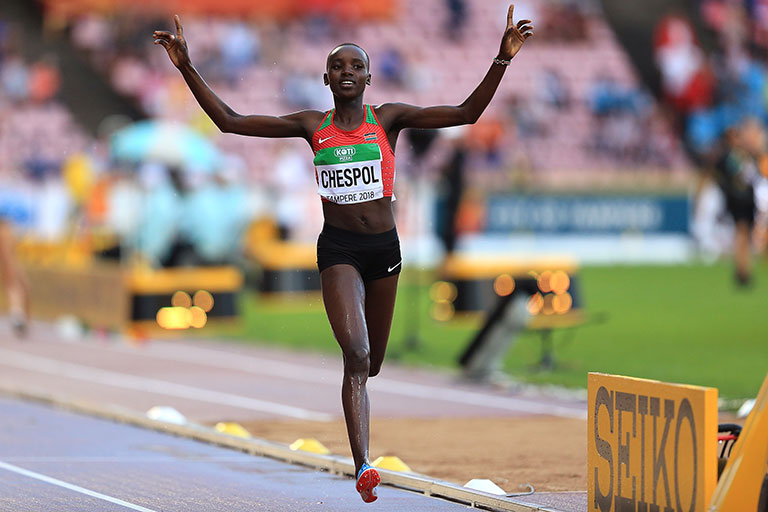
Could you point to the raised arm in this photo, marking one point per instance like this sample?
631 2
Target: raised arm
298 124
399 115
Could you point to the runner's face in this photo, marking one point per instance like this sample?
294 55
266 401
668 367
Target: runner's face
347 72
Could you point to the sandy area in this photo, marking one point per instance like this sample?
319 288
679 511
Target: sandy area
549 453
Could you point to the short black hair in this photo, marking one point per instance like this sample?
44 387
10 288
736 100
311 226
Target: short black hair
367 58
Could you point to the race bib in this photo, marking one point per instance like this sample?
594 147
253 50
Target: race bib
350 174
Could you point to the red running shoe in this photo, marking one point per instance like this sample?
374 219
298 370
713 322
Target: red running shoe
367 480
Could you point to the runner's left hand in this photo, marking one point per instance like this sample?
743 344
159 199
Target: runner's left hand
514 35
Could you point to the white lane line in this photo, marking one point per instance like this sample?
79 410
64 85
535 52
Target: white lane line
150 385
71 487
116 459
305 373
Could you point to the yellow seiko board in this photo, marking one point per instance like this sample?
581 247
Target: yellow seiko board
650 445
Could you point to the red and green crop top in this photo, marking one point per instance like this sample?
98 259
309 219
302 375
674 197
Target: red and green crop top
353 166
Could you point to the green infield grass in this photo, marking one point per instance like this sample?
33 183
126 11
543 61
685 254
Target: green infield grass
688 324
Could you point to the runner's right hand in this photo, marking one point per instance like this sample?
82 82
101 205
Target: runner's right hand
175 44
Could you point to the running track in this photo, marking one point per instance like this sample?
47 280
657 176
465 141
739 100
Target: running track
211 381
56 460
52 460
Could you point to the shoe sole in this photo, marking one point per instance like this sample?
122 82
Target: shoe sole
367 483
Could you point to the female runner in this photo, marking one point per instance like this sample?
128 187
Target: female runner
358 251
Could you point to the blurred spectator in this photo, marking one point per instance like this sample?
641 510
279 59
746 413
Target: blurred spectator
761 204
553 89
52 220
92 33
14 280
759 18
711 230
485 137
128 74
123 209
304 90
291 178
685 79
563 21
608 96
451 188
214 216
391 66
471 215
77 172
14 76
741 84
625 118
156 237
529 117
729 18
236 207
417 75
738 174
457 19
239 49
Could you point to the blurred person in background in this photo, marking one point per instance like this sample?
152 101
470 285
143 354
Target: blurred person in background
14 280
289 183
738 174
358 250
451 187
156 233
685 79
51 222
214 215
122 210
457 18
44 79
553 90
239 50
14 78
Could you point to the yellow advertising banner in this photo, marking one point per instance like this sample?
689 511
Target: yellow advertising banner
651 446
747 469
96 294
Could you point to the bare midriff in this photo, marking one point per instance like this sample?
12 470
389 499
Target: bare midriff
368 217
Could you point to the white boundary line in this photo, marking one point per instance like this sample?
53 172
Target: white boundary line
99 459
150 385
71 487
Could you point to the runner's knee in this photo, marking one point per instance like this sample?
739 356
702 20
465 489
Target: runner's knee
357 360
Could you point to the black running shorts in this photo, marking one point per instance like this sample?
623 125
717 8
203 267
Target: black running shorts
741 205
375 256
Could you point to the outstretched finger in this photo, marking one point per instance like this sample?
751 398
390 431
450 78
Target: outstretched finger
179 30
510 16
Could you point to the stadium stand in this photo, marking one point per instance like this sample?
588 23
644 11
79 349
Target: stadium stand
568 82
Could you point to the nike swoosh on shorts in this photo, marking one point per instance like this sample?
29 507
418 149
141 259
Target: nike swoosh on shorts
390 269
